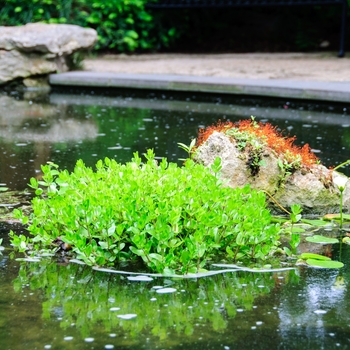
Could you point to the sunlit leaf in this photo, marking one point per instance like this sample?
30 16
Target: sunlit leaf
315 222
322 239
346 240
326 264
330 217
306 256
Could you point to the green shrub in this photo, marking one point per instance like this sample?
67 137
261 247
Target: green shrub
174 218
122 25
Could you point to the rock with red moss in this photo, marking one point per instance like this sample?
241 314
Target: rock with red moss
309 184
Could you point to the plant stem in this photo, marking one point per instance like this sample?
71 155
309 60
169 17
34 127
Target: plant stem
342 164
341 209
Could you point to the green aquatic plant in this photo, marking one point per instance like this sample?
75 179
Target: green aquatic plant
322 239
189 149
175 219
341 181
295 216
320 261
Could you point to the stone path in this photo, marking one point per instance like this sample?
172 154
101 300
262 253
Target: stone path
293 75
286 66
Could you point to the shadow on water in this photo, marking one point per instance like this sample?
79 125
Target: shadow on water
55 305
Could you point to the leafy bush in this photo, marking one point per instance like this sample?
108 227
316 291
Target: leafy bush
123 25
174 218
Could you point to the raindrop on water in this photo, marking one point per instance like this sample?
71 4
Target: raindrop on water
166 290
114 309
320 312
127 316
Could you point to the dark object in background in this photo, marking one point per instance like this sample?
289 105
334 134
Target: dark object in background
281 26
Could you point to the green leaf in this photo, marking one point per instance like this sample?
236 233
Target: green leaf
326 264
315 222
330 217
136 251
321 239
346 240
287 251
306 256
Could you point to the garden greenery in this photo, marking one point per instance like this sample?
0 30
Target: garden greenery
128 26
122 25
174 218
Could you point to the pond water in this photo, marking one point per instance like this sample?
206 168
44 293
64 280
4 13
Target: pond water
60 305
57 305
69 125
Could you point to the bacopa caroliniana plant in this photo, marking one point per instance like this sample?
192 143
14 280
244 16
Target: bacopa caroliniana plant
174 218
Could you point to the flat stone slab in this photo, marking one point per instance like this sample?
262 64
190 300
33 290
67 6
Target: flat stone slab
57 39
328 91
38 49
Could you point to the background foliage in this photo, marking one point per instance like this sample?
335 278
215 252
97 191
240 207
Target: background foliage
122 25
127 26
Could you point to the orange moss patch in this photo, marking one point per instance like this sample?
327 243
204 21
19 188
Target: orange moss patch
266 134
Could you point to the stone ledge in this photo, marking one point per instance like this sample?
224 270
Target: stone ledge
327 91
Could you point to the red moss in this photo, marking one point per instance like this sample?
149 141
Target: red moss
268 134
203 134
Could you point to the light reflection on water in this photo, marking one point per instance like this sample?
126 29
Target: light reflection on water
65 127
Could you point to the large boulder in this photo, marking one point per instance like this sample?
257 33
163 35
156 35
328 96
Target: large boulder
39 49
314 187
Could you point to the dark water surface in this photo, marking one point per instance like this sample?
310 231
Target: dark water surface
56 305
66 126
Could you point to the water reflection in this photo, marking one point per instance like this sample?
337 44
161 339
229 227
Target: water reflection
73 305
30 132
94 303
63 128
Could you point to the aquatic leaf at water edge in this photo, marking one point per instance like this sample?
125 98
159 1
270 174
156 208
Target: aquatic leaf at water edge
326 264
322 239
346 240
330 217
306 256
297 230
315 222
321 261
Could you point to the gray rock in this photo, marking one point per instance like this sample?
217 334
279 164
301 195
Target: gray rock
15 64
39 49
57 39
313 188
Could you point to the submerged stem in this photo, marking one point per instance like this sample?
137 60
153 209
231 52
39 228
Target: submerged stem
341 209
